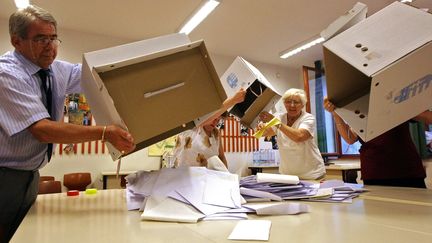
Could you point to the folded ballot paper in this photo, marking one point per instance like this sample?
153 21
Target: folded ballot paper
277 178
215 163
185 194
278 208
155 88
251 230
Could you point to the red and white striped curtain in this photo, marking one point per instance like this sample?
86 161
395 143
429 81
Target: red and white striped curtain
94 147
86 148
234 141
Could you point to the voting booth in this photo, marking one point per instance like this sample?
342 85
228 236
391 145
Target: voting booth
155 88
260 94
379 71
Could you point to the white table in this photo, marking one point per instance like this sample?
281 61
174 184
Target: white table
343 169
382 215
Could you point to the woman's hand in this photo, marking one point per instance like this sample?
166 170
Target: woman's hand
260 126
328 105
237 98
267 132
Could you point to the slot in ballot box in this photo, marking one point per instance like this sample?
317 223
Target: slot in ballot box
260 94
379 71
155 88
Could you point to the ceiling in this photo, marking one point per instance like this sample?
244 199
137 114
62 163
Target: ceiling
257 30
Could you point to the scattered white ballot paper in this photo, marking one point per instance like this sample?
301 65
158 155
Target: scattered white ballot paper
214 163
142 182
133 201
277 178
171 179
168 209
332 184
251 230
225 216
339 185
323 192
284 209
184 194
222 190
260 194
194 196
315 193
278 208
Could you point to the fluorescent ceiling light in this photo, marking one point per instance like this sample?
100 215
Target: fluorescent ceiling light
22 3
203 11
406 1
300 47
352 17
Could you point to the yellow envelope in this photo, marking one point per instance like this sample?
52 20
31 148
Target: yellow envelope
272 122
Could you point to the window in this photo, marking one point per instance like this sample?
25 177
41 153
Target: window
329 140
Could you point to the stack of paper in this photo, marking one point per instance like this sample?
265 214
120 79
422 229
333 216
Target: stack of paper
185 194
266 187
342 192
260 187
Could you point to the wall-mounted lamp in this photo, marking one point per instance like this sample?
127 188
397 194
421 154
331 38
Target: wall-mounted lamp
352 17
199 15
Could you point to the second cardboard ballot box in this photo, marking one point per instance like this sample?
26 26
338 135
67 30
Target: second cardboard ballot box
260 94
379 72
155 88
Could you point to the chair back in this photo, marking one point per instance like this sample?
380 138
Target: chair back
46 187
46 178
77 181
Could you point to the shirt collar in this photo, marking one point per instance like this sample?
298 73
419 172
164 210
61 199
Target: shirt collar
27 64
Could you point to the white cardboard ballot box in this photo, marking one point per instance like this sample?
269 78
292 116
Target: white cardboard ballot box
260 94
379 71
155 88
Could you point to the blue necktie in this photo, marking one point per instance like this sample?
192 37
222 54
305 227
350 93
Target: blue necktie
44 76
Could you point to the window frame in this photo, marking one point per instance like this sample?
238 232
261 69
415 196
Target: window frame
337 137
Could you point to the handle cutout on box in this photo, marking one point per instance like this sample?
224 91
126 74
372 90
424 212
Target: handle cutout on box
153 93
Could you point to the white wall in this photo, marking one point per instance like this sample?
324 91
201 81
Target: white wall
74 44
4 37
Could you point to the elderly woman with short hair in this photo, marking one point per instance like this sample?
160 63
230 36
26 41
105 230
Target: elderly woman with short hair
298 150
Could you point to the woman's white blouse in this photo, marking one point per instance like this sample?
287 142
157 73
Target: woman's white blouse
300 158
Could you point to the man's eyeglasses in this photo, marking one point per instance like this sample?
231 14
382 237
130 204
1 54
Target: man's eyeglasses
293 102
45 40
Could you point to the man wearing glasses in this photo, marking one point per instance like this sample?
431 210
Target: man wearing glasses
33 86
